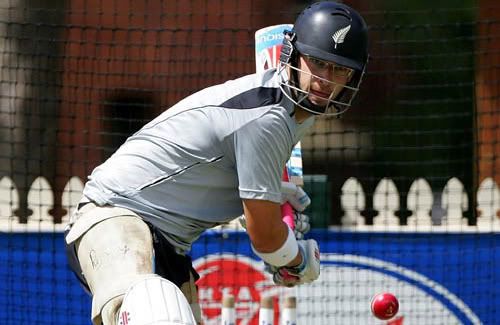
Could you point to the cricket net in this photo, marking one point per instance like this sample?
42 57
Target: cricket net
405 187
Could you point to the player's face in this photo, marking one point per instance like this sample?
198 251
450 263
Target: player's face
323 80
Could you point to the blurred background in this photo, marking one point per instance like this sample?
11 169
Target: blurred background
416 158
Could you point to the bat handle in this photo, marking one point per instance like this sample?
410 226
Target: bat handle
287 212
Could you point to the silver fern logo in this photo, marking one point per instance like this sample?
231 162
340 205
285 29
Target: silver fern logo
340 35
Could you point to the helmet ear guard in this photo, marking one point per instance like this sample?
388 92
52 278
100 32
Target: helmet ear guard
287 49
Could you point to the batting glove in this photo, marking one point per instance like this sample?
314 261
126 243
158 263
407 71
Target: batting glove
302 225
294 195
306 272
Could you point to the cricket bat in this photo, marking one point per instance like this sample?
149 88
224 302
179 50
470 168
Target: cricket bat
268 43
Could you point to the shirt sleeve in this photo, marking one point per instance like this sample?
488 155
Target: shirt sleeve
262 148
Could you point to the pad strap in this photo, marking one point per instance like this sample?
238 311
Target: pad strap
283 255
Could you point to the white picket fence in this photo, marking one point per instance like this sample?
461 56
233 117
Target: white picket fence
420 201
386 201
40 201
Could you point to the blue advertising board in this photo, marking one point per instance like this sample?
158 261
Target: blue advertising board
439 278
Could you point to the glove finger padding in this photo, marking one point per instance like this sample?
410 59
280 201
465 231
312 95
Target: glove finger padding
295 195
298 235
307 272
302 224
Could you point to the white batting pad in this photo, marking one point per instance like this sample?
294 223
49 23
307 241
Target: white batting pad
155 301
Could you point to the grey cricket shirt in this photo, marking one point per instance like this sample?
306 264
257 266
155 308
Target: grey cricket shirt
188 169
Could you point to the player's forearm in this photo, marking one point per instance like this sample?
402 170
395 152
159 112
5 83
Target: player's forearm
267 237
269 234
273 239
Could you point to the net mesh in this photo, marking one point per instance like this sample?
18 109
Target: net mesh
405 187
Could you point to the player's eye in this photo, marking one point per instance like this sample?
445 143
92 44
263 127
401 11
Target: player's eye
319 64
338 70
342 72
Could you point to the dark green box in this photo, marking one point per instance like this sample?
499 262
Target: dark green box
318 189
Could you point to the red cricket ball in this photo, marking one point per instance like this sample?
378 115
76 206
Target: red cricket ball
384 305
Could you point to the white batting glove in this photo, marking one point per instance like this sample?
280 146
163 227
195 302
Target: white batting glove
294 195
302 225
307 272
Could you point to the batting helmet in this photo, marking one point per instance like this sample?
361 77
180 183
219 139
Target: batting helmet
331 32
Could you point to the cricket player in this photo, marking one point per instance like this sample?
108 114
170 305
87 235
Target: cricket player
213 156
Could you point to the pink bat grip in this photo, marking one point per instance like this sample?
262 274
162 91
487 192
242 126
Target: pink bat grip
286 208
287 213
